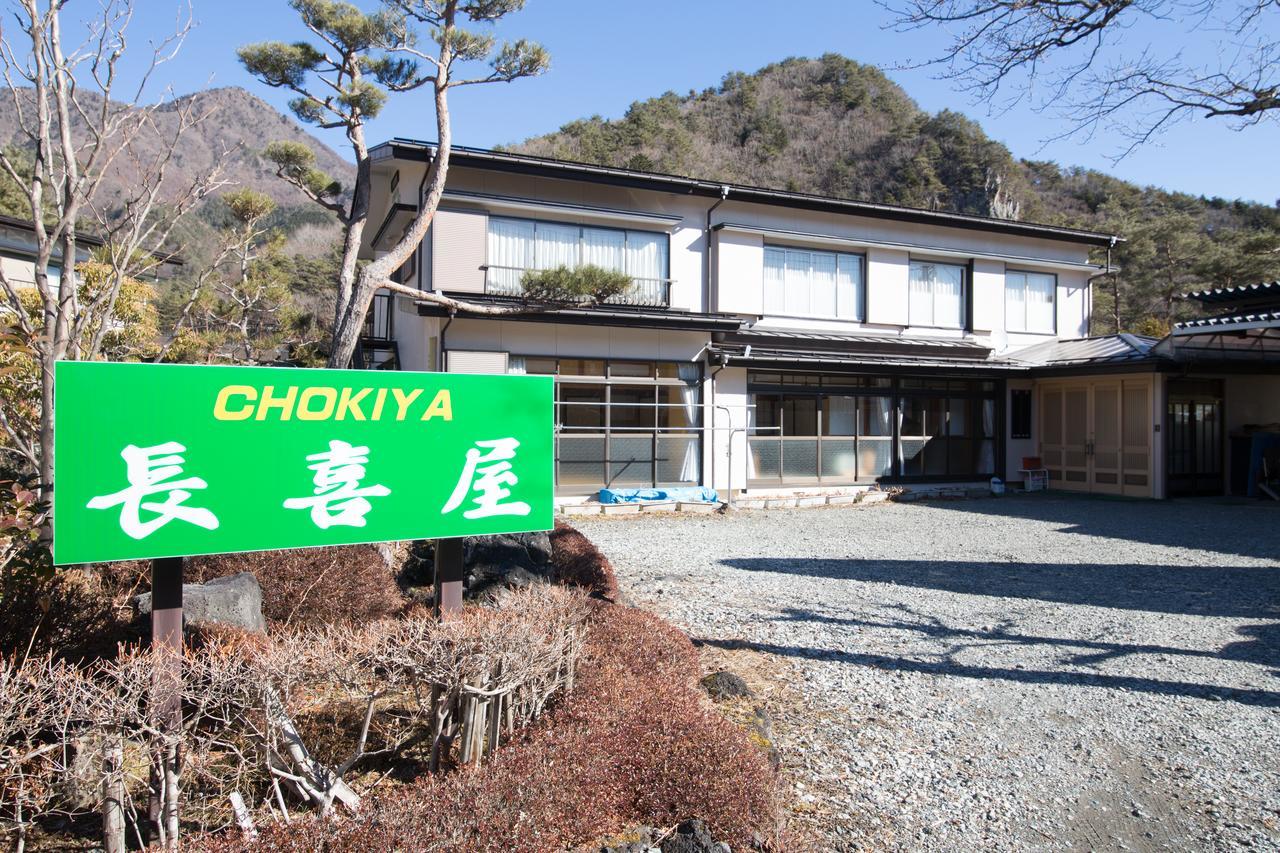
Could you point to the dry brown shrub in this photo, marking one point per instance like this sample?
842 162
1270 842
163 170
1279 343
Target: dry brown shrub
67 613
575 561
312 586
635 743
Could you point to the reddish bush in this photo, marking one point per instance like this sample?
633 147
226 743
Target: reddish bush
634 744
312 586
577 562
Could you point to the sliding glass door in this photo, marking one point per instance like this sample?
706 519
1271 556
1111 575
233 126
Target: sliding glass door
815 429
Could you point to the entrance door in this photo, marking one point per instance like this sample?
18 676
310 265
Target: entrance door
1095 436
1104 447
1195 437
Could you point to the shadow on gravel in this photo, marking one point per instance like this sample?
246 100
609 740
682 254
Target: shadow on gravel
1237 591
1262 698
1263 648
1237 527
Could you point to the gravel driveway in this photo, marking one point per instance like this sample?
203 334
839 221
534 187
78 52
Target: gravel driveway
1032 672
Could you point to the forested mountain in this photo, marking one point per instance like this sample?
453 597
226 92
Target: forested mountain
836 127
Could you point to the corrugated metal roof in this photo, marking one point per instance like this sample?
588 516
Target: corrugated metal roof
842 338
788 355
1107 349
1244 292
1228 322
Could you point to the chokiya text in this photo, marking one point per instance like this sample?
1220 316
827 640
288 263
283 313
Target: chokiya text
318 403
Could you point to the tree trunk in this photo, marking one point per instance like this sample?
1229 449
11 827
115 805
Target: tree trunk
113 797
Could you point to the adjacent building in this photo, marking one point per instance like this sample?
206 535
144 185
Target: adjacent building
776 341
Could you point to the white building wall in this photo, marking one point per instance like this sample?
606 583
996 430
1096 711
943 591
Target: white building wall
730 417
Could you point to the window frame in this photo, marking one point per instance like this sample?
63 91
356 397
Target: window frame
1005 295
965 285
665 236
654 385
861 307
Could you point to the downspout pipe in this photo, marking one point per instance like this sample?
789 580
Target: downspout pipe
444 330
706 250
1106 272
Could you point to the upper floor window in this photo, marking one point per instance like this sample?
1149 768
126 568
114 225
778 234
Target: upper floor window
936 295
815 284
517 245
1028 301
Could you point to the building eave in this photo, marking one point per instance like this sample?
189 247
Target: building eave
502 161
604 315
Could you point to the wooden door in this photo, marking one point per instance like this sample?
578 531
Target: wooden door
1076 435
1106 426
1135 456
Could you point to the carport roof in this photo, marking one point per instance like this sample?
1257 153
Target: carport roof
1121 349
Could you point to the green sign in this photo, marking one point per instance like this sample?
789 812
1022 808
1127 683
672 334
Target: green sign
158 460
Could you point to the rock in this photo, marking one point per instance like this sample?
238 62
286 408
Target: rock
514 559
691 837
761 733
234 600
724 685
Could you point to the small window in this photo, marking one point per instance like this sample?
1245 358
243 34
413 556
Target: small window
1020 413
581 367
540 366
936 296
1029 301
631 369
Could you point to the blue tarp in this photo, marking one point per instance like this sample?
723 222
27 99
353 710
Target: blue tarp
689 494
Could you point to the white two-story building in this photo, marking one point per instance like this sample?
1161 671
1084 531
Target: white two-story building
776 341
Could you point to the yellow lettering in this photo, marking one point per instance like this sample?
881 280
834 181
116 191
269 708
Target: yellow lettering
270 401
404 401
377 404
220 410
441 406
349 402
306 413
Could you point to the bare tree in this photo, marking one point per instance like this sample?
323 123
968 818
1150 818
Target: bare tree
1082 57
79 119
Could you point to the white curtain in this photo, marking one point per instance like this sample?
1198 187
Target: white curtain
646 255
510 253
1040 292
936 297
822 284
1015 301
515 365
920 307
689 374
987 449
797 283
849 288
557 245
604 247
948 305
774 266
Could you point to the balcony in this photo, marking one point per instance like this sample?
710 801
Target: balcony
643 292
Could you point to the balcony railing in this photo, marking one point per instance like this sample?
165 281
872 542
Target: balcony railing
643 292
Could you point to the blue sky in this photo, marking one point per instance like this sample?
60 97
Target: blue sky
608 53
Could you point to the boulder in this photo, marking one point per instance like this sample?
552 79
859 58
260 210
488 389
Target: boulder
234 600
510 560
691 837
724 685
